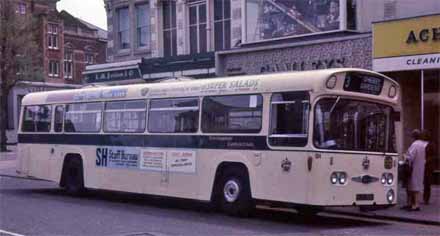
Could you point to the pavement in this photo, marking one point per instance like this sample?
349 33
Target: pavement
429 214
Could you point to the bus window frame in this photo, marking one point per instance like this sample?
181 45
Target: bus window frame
110 101
234 133
361 99
53 118
147 126
308 134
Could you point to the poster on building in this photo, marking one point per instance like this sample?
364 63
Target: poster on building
270 19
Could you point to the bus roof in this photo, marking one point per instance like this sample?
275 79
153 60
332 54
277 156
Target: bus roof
287 81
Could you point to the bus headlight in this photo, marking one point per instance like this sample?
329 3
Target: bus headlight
334 178
390 196
390 179
387 179
338 178
342 178
383 180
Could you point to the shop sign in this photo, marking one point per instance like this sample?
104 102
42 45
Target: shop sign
304 65
408 44
108 76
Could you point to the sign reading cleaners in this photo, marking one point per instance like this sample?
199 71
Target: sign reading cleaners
407 44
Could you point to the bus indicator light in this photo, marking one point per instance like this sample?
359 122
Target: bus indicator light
392 92
331 82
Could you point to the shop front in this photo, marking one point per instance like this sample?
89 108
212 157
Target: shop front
408 50
310 53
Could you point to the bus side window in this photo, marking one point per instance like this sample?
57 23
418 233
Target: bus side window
289 119
180 115
125 116
232 114
83 117
58 119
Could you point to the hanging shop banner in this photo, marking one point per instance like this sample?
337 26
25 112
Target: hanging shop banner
407 44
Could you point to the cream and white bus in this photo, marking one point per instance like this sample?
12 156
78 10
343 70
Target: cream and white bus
298 139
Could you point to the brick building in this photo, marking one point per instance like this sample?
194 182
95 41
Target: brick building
67 44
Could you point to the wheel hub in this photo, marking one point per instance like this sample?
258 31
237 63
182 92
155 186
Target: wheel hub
231 191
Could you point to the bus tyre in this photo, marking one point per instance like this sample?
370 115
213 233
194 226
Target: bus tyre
235 194
74 178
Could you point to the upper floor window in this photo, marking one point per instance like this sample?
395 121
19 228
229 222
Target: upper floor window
222 24
271 19
54 68
123 28
68 65
52 36
169 28
143 25
197 27
21 8
90 59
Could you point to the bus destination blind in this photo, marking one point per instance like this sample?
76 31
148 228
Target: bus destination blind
363 84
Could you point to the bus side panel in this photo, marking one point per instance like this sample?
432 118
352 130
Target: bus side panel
22 159
38 160
281 176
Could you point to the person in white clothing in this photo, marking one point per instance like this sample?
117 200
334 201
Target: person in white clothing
416 156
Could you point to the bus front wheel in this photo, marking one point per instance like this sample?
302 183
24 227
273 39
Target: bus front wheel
73 176
235 194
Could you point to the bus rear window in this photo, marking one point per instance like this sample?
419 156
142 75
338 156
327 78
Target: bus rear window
83 117
37 119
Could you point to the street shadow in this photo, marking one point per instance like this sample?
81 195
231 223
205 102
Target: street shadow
183 209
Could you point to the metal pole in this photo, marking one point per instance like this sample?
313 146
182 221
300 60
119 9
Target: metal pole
422 99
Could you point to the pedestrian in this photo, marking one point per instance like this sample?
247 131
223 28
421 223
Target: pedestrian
429 166
416 157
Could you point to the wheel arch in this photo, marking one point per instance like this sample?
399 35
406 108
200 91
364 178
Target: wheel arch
220 170
68 157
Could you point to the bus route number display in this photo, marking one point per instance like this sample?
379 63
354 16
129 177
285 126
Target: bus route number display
363 84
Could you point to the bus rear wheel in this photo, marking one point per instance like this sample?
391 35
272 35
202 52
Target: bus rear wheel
73 177
235 194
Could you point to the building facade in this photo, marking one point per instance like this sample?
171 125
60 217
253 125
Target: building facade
408 50
67 45
154 39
